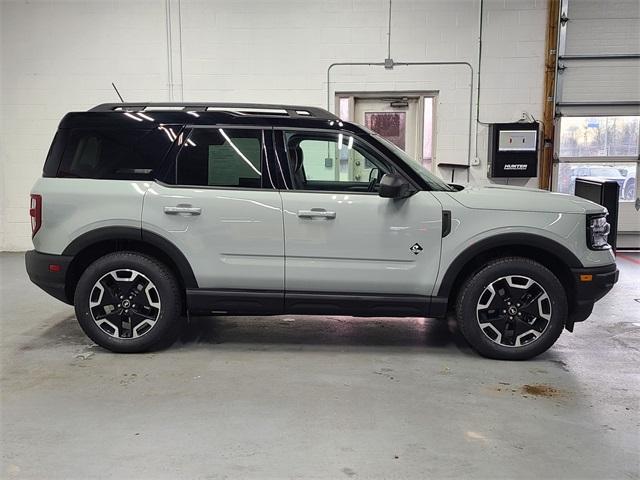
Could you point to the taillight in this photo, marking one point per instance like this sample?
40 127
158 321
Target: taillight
36 213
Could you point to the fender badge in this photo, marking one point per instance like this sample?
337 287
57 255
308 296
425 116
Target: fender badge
416 248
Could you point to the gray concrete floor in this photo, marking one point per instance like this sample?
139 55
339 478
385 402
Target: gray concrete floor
315 397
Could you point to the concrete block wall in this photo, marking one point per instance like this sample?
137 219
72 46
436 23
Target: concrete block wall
62 56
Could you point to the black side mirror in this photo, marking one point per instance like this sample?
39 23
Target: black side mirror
394 186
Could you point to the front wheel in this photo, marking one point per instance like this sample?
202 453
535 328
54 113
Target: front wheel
128 302
512 309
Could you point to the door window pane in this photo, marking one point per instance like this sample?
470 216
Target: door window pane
624 174
332 162
221 157
599 136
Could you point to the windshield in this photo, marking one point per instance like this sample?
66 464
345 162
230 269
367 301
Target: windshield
434 182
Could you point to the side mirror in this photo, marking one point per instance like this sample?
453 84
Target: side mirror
394 186
456 187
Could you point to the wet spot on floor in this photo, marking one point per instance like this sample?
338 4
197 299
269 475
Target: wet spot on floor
561 364
128 379
504 389
385 374
541 390
475 436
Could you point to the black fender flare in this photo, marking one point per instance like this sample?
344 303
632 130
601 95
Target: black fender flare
553 248
137 234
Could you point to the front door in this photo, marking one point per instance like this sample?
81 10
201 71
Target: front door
225 216
340 236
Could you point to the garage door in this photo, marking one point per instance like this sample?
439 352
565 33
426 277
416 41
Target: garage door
599 58
598 101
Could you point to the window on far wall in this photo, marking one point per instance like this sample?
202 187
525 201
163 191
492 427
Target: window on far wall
427 134
602 147
599 136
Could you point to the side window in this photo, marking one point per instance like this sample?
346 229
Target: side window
222 158
338 162
115 154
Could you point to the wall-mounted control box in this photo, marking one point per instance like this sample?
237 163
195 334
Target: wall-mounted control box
513 149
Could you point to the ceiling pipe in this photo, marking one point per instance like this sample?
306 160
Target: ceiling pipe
388 62
167 16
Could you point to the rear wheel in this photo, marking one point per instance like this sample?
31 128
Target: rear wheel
128 302
512 309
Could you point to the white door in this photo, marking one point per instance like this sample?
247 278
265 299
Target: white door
219 215
341 237
397 120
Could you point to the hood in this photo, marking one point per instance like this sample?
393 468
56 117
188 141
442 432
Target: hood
505 197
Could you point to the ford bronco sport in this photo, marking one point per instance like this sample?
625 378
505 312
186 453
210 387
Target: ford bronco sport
148 213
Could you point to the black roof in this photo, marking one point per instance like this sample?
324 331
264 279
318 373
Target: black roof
147 115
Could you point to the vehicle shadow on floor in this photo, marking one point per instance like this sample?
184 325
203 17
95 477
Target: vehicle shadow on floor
324 331
287 333
63 329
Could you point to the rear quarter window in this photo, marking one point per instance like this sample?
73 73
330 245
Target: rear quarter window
114 154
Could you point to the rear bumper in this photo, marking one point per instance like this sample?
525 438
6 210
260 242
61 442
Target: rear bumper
41 271
589 286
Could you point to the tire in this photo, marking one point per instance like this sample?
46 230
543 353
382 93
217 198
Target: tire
534 313
139 282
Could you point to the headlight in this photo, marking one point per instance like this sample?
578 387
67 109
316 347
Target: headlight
598 232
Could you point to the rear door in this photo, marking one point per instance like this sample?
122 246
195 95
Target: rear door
340 236
220 208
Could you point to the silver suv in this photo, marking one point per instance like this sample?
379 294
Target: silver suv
148 213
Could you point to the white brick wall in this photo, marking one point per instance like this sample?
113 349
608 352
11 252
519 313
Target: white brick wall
63 56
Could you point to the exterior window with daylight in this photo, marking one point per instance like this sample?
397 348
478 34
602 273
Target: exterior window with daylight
427 135
345 109
602 147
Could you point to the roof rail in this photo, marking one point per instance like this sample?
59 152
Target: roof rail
235 108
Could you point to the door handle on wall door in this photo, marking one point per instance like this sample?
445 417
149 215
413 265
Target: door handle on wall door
316 213
183 209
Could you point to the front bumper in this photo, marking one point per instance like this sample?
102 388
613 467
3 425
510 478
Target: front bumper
589 286
49 272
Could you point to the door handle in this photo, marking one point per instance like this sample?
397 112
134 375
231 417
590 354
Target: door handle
182 209
316 213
